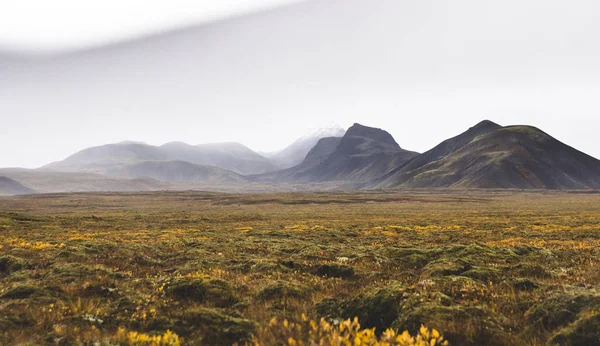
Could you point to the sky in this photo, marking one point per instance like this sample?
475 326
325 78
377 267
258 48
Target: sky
62 25
424 70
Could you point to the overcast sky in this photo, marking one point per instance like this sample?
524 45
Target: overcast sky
59 25
424 70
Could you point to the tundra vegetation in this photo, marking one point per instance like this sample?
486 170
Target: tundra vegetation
367 268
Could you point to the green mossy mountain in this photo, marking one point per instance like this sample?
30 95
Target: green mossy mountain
491 156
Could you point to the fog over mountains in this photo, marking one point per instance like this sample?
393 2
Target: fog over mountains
263 79
487 155
422 71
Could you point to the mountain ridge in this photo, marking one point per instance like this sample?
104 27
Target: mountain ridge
229 156
362 154
486 155
296 152
491 156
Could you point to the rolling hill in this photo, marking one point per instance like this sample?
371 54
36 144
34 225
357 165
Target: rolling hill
491 156
175 171
10 187
55 182
362 154
114 157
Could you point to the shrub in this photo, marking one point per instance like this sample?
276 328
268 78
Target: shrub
217 292
348 332
335 270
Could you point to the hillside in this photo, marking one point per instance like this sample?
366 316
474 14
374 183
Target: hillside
114 157
317 155
10 187
54 182
491 156
362 154
295 153
175 171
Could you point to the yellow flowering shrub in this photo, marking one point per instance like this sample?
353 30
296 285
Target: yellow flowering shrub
347 333
125 337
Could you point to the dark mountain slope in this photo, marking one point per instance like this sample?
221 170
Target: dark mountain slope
175 171
489 156
295 153
362 154
10 187
316 156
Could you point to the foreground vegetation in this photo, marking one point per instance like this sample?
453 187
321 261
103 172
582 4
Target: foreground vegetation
468 268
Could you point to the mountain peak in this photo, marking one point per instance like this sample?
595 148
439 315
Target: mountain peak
131 143
486 125
328 130
358 130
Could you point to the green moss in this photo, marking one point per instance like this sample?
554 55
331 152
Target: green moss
455 286
70 272
283 290
22 292
377 309
560 310
530 270
472 325
215 292
484 275
585 331
10 264
214 327
335 270
445 267
525 285
409 257
261 267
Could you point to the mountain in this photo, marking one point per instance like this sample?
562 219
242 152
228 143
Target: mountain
491 156
362 154
115 157
235 157
302 172
10 187
175 171
311 61
54 182
99 159
296 152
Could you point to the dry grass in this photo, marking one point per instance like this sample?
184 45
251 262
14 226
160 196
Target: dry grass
495 267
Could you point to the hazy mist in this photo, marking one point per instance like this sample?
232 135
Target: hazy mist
422 70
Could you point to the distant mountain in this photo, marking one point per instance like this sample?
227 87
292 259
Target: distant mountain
362 154
10 187
491 156
175 171
296 152
52 182
112 157
302 172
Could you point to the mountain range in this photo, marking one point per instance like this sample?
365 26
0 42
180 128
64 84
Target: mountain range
487 155
491 156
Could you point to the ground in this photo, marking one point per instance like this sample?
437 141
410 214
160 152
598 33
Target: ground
482 268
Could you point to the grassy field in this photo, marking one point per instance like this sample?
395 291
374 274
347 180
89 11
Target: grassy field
481 268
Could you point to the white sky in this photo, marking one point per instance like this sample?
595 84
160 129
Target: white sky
55 25
424 70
